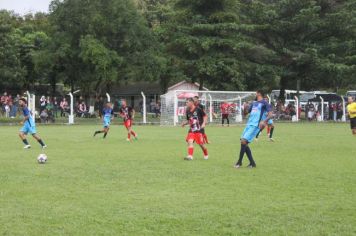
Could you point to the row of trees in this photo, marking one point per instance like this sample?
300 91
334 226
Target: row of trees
222 44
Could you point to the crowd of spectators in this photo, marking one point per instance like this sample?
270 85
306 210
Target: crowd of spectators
9 105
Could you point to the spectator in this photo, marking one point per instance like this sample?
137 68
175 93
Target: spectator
64 107
55 107
44 116
43 103
3 102
82 109
334 111
15 105
157 108
311 111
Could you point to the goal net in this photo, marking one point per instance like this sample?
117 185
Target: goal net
173 105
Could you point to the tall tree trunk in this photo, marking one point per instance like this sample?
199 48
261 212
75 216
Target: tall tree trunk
201 83
283 85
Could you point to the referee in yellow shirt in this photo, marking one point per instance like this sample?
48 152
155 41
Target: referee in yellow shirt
351 109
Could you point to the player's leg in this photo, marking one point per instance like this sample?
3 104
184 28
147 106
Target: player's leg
106 131
248 135
200 141
22 136
228 120
242 153
39 140
205 137
258 134
223 120
271 132
190 144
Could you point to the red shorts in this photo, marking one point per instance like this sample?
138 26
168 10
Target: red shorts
196 137
128 123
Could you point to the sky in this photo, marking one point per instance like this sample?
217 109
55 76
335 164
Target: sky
25 6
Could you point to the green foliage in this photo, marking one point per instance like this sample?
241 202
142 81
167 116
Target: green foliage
223 44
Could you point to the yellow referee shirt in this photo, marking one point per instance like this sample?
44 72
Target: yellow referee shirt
351 109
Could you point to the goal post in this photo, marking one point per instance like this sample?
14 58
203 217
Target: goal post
173 105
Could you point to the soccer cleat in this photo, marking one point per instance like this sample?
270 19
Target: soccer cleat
271 139
188 158
256 139
251 166
237 166
27 146
44 147
206 157
128 140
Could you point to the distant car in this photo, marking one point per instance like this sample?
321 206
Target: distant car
351 93
305 97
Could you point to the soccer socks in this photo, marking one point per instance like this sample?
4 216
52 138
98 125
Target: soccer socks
268 129
97 132
242 153
128 136
190 151
25 141
41 142
249 156
271 132
106 133
228 121
205 151
133 133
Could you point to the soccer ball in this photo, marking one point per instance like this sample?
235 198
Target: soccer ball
42 158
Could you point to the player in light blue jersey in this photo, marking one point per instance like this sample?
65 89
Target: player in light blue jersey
254 124
270 126
108 115
29 125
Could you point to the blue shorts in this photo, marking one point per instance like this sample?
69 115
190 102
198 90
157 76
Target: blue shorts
250 133
27 128
106 122
270 122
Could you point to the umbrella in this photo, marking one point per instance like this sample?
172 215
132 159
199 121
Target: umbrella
187 95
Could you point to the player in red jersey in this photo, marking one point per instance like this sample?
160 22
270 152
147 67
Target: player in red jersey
128 114
194 116
225 109
201 106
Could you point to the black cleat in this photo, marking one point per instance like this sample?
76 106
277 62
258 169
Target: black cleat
251 166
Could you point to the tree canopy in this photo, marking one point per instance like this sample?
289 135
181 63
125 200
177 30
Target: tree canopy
222 44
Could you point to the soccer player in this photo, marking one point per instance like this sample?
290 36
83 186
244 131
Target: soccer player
254 124
270 126
128 114
194 116
29 126
108 115
225 112
201 106
351 109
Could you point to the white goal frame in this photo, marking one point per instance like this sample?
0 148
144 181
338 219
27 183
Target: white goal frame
171 101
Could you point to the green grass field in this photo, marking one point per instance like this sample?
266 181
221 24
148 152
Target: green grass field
304 183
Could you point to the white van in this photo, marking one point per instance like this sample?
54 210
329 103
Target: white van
288 95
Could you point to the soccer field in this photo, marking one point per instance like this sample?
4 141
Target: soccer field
304 183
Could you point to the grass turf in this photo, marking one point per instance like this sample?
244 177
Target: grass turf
304 184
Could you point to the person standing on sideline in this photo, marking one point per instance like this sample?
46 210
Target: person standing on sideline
351 110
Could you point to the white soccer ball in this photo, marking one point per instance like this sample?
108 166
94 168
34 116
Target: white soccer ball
42 158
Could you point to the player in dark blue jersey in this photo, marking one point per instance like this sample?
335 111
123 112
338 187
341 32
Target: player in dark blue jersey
254 124
108 115
29 126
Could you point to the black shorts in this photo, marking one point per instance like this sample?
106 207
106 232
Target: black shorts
353 123
225 116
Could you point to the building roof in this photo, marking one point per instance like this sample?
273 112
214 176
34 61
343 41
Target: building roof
177 85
